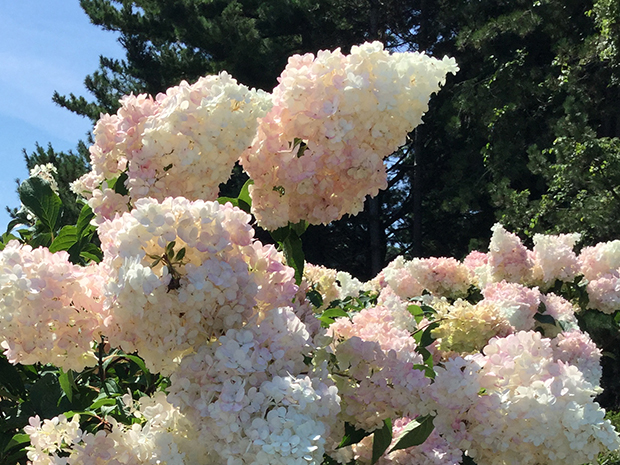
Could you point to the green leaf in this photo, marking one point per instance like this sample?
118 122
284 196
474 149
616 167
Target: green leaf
92 252
381 440
224 200
244 195
83 222
18 439
335 313
118 184
425 338
180 255
43 239
65 239
37 195
416 311
294 255
315 298
415 433
66 383
352 435
138 361
545 319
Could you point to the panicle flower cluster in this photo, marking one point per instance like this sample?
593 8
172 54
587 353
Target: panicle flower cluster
520 401
600 265
442 276
508 259
182 143
252 398
375 371
47 172
50 309
165 301
319 151
60 442
517 303
554 258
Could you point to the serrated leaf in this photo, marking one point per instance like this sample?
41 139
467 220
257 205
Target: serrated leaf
381 440
352 435
65 239
37 195
415 433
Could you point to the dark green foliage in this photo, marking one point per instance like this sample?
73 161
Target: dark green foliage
527 132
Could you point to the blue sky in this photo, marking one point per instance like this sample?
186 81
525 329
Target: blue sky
45 45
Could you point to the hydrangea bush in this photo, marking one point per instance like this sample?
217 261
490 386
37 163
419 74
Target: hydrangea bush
184 340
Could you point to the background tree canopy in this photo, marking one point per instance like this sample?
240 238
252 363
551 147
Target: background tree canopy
526 133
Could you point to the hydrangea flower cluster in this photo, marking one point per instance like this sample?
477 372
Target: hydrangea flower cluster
375 371
319 151
518 402
47 172
165 301
156 441
254 378
50 310
253 399
440 276
182 143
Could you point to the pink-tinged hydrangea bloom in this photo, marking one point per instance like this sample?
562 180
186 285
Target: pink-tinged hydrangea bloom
50 309
604 293
508 259
434 451
319 151
478 265
154 442
164 310
376 377
440 276
576 347
519 402
183 143
252 397
600 260
517 303
554 258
